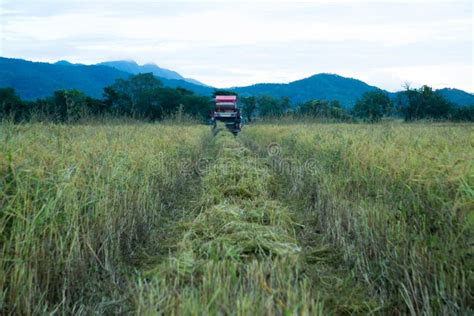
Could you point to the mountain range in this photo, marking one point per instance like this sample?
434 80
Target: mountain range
34 80
132 67
320 86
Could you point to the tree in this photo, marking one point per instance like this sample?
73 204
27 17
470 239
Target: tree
68 105
196 106
323 109
373 106
285 105
136 96
268 106
463 114
314 108
77 107
424 103
96 106
249 106
11 106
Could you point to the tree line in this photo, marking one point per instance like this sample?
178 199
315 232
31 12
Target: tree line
141 96
144 97
411 105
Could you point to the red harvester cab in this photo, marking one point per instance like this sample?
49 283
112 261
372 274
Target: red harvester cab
226 111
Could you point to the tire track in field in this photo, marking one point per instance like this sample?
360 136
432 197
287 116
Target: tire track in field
239 255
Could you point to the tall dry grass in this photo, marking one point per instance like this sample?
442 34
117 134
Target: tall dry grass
125 217
396 199
78 205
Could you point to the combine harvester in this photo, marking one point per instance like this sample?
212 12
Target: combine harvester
227 111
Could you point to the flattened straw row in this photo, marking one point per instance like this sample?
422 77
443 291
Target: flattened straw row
240 223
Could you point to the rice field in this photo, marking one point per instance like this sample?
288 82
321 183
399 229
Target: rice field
284 219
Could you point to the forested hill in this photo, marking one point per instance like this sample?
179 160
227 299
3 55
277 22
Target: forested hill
34 80
321 86
132 67
456 96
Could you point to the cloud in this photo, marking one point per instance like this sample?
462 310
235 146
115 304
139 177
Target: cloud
233 43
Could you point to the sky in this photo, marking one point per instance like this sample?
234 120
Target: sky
236 43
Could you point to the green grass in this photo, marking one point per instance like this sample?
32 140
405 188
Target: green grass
78 204
167 218
396 199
